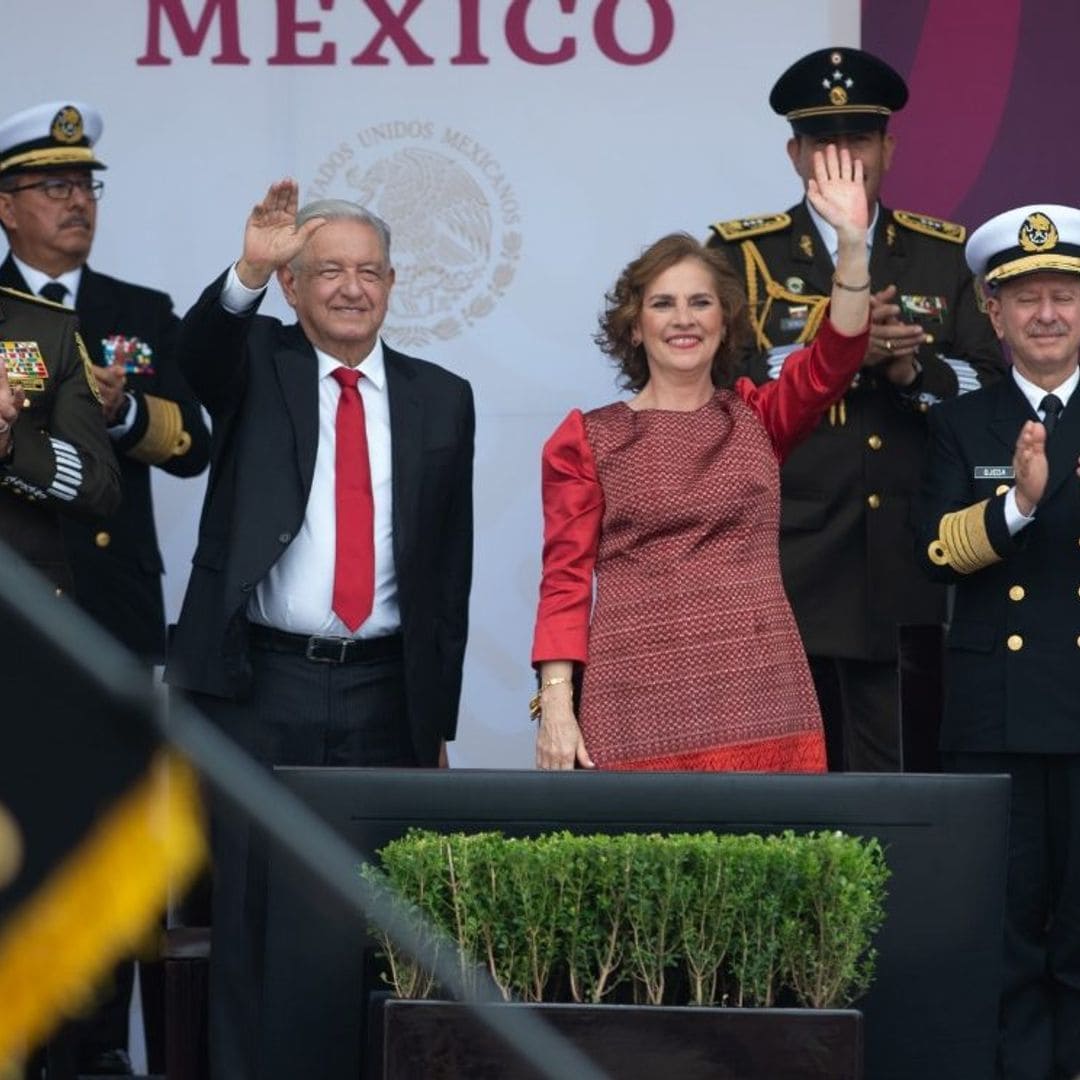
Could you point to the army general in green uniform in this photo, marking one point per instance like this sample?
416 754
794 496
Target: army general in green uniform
55 457
846 541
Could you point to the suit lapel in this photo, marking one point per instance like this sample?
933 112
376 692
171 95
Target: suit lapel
406 451
298 371
97 311
1063 446
10 276
1011 411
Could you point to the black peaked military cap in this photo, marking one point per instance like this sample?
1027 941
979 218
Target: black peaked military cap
838 90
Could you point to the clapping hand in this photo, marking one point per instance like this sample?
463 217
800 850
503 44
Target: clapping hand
271 238
838 194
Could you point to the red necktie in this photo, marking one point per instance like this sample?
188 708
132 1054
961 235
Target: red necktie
354 564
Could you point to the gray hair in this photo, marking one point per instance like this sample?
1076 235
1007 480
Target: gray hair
343 210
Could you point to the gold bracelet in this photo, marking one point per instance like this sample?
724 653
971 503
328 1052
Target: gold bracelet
850 288
534 701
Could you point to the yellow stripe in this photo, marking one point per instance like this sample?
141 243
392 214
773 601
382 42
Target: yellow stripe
49 155
832 110
97 904
165 436
1031 263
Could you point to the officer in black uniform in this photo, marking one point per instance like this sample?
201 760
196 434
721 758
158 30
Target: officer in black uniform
55 458
845 538
999 518
48 210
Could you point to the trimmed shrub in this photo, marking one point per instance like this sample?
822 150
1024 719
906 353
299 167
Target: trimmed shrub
686 919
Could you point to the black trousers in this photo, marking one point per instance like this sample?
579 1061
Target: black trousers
1039 1032
300 712
860 708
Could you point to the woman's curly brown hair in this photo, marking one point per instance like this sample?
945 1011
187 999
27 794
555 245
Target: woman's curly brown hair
623 307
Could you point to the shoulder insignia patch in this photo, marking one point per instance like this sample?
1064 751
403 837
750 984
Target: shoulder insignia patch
745 228
931 226
35 299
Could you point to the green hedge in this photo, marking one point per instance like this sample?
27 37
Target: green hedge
695 918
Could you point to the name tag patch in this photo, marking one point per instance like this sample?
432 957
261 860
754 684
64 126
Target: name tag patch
994 472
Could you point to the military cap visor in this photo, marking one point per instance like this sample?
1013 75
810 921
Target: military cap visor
838 91
56 135
1041 238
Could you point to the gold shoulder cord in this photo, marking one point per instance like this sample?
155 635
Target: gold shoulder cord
755 269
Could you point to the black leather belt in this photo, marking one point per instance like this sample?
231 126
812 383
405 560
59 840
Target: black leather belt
327 650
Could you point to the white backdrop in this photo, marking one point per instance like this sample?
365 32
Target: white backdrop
516 191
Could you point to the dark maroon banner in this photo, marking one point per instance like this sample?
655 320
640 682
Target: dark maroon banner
991 121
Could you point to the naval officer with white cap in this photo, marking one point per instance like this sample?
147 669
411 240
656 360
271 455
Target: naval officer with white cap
999 518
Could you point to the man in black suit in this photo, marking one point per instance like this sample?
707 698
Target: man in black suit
326 615
999 518
846 491
48 210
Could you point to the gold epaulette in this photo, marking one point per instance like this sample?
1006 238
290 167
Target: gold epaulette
962 542
744 228
165 436
931 226
20 295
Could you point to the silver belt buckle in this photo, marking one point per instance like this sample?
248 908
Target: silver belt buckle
315 642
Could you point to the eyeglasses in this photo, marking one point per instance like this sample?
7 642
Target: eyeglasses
58 189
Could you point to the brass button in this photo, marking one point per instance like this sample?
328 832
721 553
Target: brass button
873 501
923 407
874 442
1001 489
1016 592
1015 643
102 539
59 591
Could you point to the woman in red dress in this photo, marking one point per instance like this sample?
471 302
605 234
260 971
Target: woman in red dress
669 504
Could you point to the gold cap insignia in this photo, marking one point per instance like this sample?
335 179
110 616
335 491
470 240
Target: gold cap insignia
838 95
1038 233
67 125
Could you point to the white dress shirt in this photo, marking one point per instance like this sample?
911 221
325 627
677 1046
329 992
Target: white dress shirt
297 594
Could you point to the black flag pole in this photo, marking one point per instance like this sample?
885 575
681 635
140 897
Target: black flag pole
249 790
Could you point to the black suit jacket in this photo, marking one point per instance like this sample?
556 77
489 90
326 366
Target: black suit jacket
116 561
847 491
258 379
1013 646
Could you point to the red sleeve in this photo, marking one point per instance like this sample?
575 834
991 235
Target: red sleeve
810 381
573 509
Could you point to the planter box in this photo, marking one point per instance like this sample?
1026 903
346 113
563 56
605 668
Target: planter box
429 1040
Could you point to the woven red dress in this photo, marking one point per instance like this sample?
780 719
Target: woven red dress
692 659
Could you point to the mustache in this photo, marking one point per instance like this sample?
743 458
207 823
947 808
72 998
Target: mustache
1055 329
80 220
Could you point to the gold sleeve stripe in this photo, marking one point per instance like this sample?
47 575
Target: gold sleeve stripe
165 436
962 541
